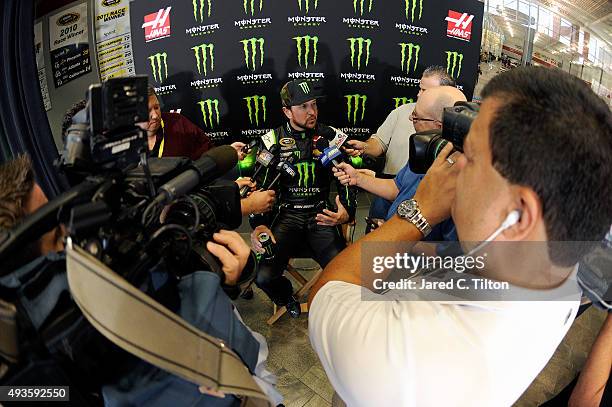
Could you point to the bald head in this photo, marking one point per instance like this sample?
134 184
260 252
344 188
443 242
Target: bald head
432 103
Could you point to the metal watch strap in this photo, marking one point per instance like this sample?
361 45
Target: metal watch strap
421 223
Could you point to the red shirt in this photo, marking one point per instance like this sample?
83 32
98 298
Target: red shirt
181 138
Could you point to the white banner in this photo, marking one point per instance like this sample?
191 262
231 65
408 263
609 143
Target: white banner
39 48
114 39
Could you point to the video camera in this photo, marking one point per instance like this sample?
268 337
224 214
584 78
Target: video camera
425 146
131 212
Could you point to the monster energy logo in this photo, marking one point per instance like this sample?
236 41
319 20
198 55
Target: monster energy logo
307 4
305 170
156 61
452 63
253 103
210 110
406 59
361 3
303 56
411 6
252 4
198 9
352 103
360 42
202 53
402 101
304 86
250 52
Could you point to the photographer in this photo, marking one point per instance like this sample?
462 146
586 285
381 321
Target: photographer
427 115
529 174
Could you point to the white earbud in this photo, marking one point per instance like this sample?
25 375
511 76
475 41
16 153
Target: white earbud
512 219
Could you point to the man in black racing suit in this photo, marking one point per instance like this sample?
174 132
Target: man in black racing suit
303 215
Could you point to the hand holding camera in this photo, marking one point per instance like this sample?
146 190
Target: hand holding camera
232 252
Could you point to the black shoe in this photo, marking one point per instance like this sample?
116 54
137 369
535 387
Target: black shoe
294 308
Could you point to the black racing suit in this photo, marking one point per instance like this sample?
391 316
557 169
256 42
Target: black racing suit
299 200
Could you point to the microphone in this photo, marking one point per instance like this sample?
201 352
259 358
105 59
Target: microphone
284 167
248 147
210 166
330 153
265 159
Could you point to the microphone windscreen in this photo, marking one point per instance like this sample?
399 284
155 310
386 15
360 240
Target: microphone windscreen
225 157
322 144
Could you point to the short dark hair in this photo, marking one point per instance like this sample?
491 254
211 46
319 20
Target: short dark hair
553 134
440 72
16 184
74 109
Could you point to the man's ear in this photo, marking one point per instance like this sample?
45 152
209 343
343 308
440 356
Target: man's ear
530 207
287 111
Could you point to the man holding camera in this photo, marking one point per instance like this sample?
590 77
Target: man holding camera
427 115
40 287
304 215
527 180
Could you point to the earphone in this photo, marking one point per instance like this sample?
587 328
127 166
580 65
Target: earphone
511 220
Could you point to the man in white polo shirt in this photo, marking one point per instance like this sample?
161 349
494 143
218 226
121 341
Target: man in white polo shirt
526 178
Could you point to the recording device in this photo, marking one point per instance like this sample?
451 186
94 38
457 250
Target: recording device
425 146
248 147
265 159
284 168
114 213
329 152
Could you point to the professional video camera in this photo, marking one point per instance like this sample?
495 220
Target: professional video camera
425 146
114 211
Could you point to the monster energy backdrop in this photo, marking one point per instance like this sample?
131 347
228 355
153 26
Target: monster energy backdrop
222 63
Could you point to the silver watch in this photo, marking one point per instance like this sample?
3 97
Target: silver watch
409 210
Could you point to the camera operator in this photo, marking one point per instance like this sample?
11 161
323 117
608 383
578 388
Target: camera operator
536 168
427 115
134 382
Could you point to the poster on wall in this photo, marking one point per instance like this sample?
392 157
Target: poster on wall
40 64
223 63
68 43
114 39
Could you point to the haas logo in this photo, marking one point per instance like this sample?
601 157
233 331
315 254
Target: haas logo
157 25
459 25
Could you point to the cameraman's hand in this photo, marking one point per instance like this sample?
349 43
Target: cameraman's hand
238 146
258 202
436 192
246 181
255 241
346 174
354 147
232 251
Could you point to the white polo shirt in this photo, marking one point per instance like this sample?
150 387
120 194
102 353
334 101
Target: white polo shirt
394 135
419 353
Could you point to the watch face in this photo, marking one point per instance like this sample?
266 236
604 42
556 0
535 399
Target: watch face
407 208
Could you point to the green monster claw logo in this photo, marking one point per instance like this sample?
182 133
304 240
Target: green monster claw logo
352 104
453 60
202 52
253 103
305 87
307 4
305 170
250 52
360 42
361 3
306 41
252 3
158 61
198 9
411 8
406 59
402 101
210 109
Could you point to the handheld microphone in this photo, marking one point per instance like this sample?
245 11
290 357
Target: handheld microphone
248 147
330 152
265 159
284 167
210 166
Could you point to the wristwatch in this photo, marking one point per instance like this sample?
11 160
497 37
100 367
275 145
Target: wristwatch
409 210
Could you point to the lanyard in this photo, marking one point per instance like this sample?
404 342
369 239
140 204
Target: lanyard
161 145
